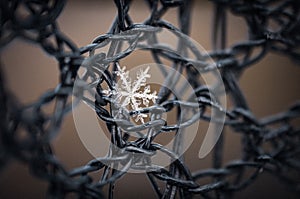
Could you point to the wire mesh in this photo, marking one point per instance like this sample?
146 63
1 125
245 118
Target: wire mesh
40 27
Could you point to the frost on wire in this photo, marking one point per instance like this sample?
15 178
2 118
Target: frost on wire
132 94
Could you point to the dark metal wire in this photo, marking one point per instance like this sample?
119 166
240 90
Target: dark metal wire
40 27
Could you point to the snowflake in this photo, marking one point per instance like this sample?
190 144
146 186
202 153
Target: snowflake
130 93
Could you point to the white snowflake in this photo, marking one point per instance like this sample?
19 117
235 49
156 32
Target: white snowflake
131 93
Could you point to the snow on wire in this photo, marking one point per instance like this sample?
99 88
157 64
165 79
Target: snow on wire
130 93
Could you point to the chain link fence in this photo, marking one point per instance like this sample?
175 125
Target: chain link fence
273 26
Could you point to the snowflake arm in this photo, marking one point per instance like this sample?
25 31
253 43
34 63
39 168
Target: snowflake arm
141 79
124 76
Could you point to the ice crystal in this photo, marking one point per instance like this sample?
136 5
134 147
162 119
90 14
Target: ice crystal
133 94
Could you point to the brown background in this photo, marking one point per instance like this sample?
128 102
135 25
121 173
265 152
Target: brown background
270 86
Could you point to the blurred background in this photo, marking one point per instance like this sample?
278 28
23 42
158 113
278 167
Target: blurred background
30 72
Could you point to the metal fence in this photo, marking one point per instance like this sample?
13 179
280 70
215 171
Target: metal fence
40 27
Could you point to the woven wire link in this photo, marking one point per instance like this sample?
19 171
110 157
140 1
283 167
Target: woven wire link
41 28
